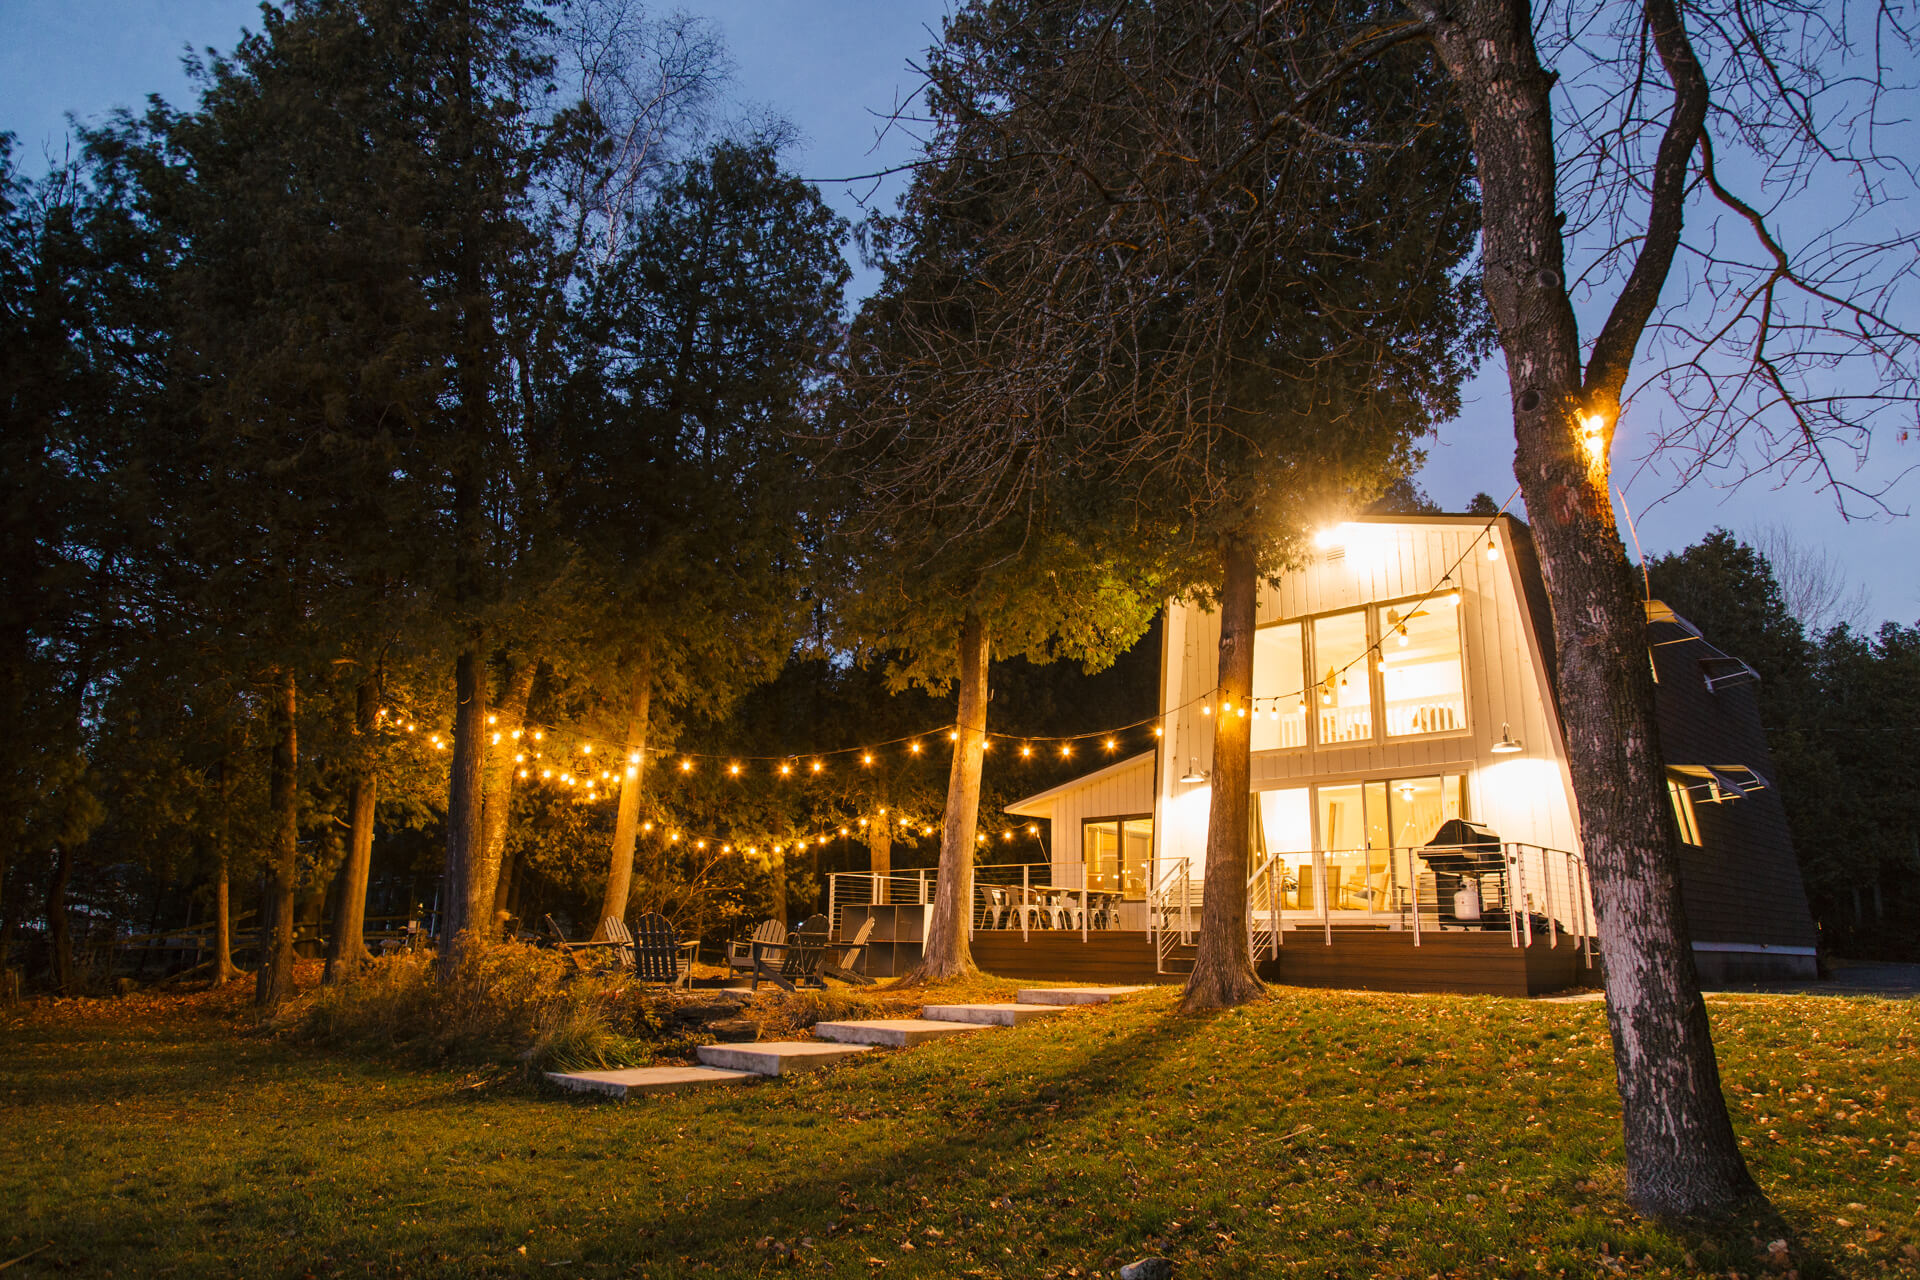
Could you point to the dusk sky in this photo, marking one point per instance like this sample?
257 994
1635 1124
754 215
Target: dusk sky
835 68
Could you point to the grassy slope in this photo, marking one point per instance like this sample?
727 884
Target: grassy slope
1325 1134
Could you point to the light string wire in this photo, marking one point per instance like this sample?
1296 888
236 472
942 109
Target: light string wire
791 762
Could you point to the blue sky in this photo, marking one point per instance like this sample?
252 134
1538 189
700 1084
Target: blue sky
835 68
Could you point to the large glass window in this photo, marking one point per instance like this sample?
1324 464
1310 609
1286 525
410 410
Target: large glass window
1343 692
1420 672
1117 851
1279 688
1284 823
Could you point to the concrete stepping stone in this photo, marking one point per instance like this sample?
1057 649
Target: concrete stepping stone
628 1081
777 1057
994 1015
895 1033
1072 995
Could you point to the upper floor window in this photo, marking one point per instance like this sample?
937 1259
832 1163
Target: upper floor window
1421 681
1389 670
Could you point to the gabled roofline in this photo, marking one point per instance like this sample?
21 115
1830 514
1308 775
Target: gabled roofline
1071 783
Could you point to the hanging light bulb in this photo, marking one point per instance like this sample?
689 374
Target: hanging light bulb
863 822
866 757
646 826
539 735
1156 731
586 748
1026 749
915 748
523 773
1033 831
734 768
1493 550
785 768
953 736
686 766
817 766
1206 708
1066 749
1111 744
515 735
493 719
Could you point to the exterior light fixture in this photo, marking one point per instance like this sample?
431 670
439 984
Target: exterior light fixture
1506 746
1493 549
1194 772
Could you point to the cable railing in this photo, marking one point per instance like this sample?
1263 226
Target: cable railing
1173 906
1517 888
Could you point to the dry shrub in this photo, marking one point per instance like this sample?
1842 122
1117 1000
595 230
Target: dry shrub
503 1003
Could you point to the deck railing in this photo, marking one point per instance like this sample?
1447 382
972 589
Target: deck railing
1173 906
1521 888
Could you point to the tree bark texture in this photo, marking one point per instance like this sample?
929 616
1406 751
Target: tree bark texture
463 805
879 852
273 982
224 970
496 801
1223 973
948 952
626 822
347 947
1681 1154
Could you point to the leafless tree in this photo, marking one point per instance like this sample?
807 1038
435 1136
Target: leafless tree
1813 582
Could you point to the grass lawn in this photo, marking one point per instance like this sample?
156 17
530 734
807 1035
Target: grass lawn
1314 1134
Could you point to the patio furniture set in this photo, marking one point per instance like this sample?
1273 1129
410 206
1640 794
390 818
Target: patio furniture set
654 953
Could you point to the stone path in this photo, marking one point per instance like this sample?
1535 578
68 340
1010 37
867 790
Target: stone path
731 1064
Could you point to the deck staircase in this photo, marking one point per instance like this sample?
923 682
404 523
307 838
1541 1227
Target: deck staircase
730 1064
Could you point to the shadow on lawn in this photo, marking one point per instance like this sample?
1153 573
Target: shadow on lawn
1012 1117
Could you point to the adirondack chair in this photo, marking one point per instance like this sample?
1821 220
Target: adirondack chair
584 953
658 953
740 954
619 939
839 958
795 962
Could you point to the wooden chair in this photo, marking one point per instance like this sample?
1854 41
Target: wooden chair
795 962
658 953
740 953
583 953
838 961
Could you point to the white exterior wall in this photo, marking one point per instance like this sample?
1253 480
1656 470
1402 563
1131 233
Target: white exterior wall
1525 797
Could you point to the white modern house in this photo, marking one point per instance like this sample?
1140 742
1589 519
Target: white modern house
1412 817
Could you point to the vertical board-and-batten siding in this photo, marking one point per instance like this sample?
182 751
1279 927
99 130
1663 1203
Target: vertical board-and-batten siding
1525 797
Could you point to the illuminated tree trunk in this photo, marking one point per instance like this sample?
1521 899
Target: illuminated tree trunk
347 948
879 852
496 801
224 970
1223 973
273 982
948 952
1682 1158
626 823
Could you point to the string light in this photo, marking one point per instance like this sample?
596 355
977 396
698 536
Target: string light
686 766
915 748
817 766
734 769
866 757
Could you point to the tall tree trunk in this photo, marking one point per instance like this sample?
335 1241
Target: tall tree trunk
496 801
1223 973
626 824
464 828
777 875
949 952
224 970
879 852
274 980
59 927
223 966
1681 1154
347 947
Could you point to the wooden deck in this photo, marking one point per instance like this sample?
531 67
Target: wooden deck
1361 959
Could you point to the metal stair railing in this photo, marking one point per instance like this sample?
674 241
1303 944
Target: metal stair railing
1263 908
1170 908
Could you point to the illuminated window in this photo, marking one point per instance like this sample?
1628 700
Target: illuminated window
1279 686
1117 851
1683 808
1342 697
1420 676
